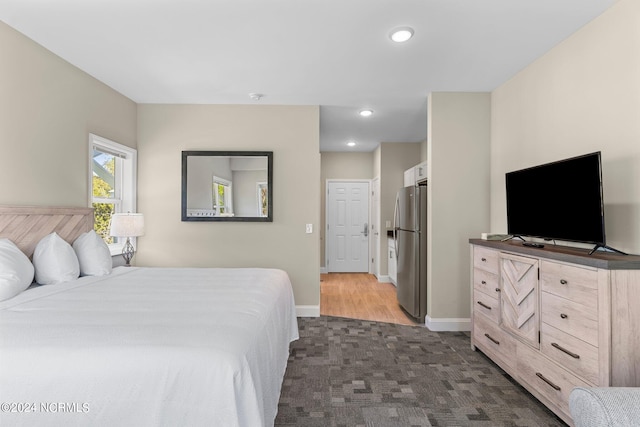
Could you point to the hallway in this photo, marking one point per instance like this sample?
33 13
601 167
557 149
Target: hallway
360 296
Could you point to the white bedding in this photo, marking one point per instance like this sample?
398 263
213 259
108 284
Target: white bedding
148 346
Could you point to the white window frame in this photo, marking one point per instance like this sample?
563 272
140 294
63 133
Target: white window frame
228 195
259 186
126 181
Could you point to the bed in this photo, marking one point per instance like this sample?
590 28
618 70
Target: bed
141 346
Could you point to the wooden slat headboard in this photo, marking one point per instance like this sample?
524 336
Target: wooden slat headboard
26 225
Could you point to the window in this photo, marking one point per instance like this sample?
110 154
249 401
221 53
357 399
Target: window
222 201
112 184
263 191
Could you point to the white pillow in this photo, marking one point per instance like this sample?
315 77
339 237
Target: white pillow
93 254
55 261
16 271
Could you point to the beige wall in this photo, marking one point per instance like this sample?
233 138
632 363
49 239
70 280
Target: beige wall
458 135
582 96
292 133
340 166
47 110
377 162
424 150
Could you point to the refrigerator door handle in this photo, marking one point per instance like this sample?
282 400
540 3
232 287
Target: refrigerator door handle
395 228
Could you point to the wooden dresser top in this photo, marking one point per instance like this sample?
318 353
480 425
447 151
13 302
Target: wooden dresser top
599 259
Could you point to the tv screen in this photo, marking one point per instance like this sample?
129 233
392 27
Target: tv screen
560 200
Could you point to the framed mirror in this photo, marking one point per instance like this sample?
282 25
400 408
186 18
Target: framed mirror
227 186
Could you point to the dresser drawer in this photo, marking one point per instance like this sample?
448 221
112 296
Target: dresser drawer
574 283
570 317
493 341
486 259
545 377
486 282
574 354
486 305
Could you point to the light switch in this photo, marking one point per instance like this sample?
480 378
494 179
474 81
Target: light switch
309 228
388 224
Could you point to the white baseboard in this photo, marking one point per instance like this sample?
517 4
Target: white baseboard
307 310
381 278
447 325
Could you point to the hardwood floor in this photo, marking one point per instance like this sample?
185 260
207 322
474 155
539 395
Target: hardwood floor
360 296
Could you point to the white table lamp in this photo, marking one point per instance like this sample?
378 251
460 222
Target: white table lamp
127 225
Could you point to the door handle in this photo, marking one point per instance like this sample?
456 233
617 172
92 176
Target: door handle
366 230
395 212
396 208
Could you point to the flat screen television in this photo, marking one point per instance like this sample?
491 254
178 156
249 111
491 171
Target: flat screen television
560 200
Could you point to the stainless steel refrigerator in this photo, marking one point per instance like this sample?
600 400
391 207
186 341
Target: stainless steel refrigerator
410 230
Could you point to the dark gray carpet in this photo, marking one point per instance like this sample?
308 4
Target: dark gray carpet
345 372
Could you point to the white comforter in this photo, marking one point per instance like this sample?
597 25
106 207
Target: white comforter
148 346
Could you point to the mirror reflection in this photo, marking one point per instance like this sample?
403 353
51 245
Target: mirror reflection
227 185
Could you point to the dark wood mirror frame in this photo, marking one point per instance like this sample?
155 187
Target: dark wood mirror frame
189 214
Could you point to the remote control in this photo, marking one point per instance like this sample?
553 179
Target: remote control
533 245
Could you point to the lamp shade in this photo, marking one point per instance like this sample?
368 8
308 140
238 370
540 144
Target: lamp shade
127 225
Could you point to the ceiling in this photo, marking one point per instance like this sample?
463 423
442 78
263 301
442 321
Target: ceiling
332 53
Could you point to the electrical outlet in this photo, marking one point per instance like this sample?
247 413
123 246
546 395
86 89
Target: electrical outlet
309 228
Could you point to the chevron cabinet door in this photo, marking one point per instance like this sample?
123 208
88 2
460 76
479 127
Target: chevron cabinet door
519 299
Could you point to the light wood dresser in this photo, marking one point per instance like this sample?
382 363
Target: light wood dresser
556 318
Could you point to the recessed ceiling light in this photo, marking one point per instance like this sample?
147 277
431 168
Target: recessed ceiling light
366 112
351 143
401 34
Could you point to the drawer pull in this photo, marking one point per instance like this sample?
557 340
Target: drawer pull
564 316
497 289
483 282
570 353
483 259
495 341
484 305
563 282
553 386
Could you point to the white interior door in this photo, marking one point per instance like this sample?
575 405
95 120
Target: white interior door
347 227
